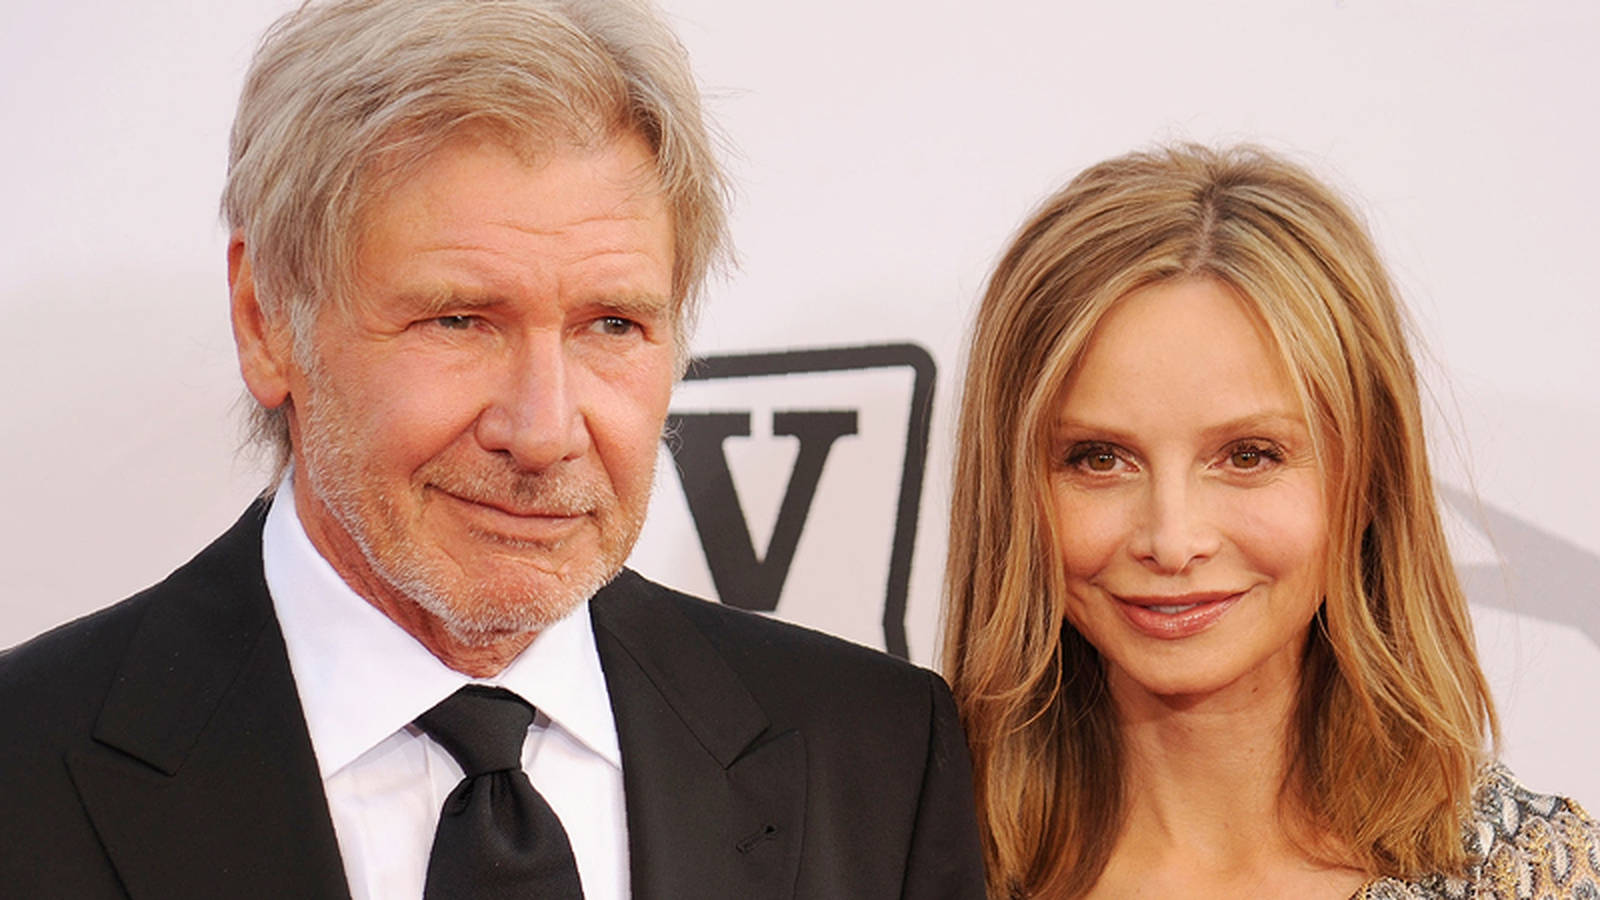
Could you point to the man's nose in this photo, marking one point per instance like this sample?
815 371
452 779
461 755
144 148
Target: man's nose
1178 527
533 413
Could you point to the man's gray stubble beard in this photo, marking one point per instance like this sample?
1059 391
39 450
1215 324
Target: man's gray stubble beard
333 475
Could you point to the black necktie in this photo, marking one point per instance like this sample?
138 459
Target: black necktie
497 838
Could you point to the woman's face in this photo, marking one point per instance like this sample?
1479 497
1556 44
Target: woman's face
1189 499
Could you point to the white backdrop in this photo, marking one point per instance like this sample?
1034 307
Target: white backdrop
883 151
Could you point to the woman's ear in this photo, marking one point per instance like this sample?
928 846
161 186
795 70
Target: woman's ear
266 349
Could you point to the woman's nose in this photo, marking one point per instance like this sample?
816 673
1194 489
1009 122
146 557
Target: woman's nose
1177 529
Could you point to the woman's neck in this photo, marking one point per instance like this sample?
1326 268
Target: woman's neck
1205 770
1203 810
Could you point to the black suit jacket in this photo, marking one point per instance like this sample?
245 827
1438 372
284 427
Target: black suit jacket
156 750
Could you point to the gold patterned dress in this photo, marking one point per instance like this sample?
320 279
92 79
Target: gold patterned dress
1524 846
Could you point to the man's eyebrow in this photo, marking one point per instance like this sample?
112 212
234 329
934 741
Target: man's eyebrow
445 300
635 305
640 305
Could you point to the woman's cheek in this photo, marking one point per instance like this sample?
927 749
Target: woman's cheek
1091 529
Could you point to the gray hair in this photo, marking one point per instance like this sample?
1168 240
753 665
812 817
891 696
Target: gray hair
344 98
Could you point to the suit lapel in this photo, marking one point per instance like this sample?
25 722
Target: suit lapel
203 782
715 800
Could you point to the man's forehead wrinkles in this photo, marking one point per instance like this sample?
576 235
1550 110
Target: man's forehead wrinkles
528 256
617 217
470 268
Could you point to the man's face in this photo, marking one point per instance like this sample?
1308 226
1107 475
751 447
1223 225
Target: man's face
477 437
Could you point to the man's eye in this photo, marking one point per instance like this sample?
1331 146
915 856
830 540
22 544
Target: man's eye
615 325
454 323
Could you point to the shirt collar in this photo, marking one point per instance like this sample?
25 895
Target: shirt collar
361 677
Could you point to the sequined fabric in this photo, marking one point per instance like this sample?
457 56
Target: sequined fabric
1525 846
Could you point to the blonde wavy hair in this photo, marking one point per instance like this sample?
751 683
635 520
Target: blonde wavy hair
1393 710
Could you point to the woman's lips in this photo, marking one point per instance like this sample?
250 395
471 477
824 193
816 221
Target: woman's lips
1176 616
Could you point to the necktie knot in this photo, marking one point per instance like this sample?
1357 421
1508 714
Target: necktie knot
482 727
497 838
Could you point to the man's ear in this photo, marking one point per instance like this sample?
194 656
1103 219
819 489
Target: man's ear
266 350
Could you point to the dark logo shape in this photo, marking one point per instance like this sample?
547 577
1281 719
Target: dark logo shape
754 580
714 503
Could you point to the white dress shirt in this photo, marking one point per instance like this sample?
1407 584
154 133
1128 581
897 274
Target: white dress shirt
362 680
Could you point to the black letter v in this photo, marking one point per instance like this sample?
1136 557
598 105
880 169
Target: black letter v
742 579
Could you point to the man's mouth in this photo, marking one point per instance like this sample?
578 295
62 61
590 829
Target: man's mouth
524 511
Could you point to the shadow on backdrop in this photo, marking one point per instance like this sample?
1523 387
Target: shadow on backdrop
1542 574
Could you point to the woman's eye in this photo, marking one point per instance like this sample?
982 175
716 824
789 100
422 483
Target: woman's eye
1097 458
1100 462
1253 455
